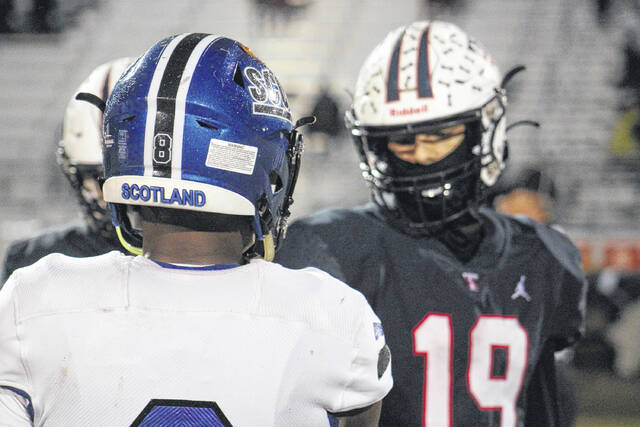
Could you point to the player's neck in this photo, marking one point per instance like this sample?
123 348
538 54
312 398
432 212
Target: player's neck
464 237
179 245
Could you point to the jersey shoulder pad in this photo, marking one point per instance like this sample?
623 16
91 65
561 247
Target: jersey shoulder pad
317 298
60 282
557 243
74 240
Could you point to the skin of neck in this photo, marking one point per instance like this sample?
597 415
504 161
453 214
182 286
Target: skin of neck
180 245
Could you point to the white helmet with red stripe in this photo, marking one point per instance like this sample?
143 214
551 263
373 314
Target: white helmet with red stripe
423 78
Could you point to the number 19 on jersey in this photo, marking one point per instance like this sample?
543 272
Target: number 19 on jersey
433 339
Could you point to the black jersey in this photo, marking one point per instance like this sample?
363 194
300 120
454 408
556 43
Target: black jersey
75 240
465 338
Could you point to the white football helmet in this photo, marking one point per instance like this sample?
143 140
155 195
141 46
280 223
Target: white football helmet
80 149
424 78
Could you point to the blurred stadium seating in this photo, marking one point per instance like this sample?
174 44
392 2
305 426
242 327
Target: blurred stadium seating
568 87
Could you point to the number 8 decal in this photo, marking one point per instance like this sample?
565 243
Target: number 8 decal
433 338
162 148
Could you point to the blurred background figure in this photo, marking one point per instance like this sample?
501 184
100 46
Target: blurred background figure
446 5
625 138
35 16
44 17
274 15
613 324
532 193
625 334
630 77
624 144
325 132
79 155
603 11
6 11
442 7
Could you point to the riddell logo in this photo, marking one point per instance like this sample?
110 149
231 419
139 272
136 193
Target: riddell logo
409 111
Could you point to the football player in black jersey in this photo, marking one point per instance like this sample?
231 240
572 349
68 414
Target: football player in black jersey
474 303
80 157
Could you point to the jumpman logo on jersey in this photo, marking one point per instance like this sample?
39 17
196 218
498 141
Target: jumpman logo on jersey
520 291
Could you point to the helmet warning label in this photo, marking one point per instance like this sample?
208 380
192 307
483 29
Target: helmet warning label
231 156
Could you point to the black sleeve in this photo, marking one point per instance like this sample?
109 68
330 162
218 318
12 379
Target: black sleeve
16 256
569 316
551 394
542 408
4 272
28 251
570 291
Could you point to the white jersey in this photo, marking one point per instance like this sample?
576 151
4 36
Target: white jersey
116 340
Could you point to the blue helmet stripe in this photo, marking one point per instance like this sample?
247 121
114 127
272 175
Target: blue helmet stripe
392 76
181 101
166 103
152 97
423 77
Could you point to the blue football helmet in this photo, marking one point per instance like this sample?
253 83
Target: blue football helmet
200 123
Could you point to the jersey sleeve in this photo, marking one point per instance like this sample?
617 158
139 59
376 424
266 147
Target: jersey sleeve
571 291
542 395
14 409
568 321
14 398
10 263
370 370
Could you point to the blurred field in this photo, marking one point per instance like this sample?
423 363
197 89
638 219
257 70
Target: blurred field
586 421
604 400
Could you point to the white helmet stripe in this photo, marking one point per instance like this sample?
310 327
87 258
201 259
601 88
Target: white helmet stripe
152 106
181 101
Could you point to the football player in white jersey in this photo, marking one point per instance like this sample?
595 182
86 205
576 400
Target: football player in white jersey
200 158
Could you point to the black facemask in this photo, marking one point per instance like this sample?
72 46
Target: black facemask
423 198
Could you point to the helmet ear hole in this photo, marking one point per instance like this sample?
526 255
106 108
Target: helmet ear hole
237 77
206 125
